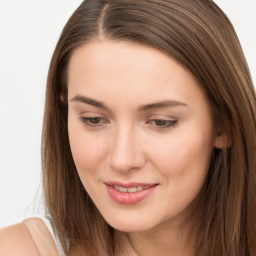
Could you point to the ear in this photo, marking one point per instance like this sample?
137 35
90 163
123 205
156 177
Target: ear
222 140
62 98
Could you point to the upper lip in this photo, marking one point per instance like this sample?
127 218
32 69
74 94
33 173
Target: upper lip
130 184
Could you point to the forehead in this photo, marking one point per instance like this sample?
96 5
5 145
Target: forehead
106 56
108 69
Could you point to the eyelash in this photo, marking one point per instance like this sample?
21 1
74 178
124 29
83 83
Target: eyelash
168 123
87 121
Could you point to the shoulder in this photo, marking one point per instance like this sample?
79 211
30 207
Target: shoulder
31 237
17 240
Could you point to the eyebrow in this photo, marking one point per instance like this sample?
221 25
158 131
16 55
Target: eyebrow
142 108
90 101
161 104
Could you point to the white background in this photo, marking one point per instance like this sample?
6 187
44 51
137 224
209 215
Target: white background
29 31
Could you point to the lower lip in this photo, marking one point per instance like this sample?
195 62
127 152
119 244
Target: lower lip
129 198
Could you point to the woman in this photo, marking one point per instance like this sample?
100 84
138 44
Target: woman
149 135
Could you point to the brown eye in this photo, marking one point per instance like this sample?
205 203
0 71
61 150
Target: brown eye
94 121
164 123
161 124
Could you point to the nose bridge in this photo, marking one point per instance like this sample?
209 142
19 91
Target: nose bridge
125 153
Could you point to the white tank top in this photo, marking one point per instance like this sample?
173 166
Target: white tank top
55 237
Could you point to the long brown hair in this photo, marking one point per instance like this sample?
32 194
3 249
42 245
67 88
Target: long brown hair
201 38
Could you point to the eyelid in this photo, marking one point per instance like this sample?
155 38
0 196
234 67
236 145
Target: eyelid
86 121
171 123
91 114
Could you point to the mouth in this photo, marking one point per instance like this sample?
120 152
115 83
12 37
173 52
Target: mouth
130 189
130 193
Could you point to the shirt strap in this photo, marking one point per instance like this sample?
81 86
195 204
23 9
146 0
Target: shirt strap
41 236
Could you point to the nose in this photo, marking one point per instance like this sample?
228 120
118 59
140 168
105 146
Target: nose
126 152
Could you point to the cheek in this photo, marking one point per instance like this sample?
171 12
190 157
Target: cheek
88 152
183 164
184 159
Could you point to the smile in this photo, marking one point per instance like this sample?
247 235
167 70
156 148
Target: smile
130 190
131 193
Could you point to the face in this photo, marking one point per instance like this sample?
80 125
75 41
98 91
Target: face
140 131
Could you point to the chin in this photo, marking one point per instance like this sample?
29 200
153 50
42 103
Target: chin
130 224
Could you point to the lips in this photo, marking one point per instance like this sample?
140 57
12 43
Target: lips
130 189
129 193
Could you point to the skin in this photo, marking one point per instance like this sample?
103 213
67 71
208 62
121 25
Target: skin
18 240
170 146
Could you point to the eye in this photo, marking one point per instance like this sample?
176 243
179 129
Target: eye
162 123
94 121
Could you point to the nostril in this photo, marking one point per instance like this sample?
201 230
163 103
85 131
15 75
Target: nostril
127 164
